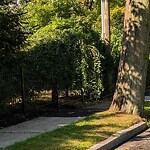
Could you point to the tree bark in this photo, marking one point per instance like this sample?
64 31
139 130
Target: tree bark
67 93
130 87
55 93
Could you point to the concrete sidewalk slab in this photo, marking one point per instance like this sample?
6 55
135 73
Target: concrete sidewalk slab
147 98
22 131
48 122
40 125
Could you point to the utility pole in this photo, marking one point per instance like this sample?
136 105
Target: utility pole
103 18
107 23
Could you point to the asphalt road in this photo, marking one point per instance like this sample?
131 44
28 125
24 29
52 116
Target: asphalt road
140 142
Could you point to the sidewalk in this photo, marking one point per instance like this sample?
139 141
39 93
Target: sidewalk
48 122
147 98
52 121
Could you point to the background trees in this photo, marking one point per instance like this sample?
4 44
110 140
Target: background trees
65 47
11 35
68 33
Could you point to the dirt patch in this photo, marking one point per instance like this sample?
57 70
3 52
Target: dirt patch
41 108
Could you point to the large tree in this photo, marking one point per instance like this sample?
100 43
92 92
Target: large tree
130 86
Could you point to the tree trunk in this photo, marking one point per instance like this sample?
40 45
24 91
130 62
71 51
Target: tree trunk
55 93
67 93
130 87
82 94
108 74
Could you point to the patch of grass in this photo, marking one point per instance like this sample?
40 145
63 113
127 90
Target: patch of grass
80 135
147 111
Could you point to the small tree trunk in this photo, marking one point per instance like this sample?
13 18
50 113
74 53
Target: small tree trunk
82 94
67 93
55 93
130 87
23 90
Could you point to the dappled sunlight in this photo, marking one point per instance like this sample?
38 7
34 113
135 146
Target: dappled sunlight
89 132
130 86
80 135
98 130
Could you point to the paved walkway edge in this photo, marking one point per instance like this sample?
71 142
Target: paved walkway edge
120 137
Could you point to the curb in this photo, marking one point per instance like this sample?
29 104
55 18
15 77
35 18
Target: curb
120 137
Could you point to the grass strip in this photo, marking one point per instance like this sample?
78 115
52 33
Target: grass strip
80 135
147 111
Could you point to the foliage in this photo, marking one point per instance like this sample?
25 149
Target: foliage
77 30
147 111
117 16
12 38
64 42
65 46
42 12
11 35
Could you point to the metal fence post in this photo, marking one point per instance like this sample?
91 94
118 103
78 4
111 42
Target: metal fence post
22 90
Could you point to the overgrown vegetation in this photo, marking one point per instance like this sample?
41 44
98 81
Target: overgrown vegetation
12 38
147 111
64 49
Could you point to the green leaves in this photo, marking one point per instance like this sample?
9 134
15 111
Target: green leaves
64 41
117 16
43 12
11 34
66 47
